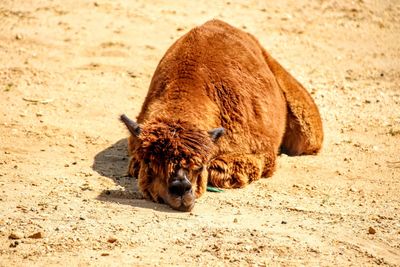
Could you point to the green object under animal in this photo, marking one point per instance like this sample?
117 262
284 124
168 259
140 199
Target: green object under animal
214 189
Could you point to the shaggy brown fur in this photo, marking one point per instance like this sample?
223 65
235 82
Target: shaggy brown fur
218 76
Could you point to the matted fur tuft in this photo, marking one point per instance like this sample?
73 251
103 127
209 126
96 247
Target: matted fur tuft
174 142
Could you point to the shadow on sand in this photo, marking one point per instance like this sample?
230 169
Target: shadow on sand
113 162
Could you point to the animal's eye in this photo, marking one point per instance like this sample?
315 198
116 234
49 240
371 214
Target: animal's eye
148 163
198 168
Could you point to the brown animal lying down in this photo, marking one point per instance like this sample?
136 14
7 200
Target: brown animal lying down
218 111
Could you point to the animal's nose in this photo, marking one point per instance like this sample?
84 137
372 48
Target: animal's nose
179 187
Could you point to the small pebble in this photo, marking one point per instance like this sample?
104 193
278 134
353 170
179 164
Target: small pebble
235 220
105 254
15 235
112 239
283 222
371 230
36 235
14 244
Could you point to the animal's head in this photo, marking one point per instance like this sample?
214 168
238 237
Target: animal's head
171 160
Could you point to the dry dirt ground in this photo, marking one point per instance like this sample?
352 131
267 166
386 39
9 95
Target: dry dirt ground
69 68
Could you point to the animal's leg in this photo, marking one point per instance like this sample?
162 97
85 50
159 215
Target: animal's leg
238 170
303 134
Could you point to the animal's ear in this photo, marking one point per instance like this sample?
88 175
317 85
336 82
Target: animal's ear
132 126
216 133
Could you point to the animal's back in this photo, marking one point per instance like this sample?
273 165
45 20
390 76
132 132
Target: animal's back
215 75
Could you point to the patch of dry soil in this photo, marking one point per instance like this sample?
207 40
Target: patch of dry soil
69 68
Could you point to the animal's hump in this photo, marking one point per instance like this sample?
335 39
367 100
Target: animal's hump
209 30
218 23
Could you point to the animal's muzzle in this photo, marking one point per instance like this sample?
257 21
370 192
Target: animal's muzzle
180 186
180 194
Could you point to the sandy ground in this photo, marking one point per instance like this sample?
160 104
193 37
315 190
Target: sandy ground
69 68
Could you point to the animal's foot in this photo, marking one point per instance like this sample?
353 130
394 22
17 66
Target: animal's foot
233 171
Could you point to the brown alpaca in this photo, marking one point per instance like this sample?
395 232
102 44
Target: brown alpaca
218 111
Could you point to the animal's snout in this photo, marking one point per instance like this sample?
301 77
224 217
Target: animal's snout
180 194
180 186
